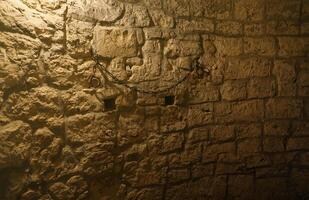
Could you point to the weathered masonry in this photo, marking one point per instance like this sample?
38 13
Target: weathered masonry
81 117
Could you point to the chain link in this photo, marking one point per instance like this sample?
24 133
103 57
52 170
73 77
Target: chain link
95 81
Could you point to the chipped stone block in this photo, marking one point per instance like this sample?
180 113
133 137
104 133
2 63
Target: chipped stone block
135 16
251 110
286 76
247 67
233 90
281 9
228 46
289 46
115 42
261 88
260 46
203 25
278 108
101 10
252 10
229 28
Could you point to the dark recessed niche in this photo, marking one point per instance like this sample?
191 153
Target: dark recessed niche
109 104
169 100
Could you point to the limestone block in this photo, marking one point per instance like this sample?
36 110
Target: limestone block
96 158
30 194
148 193
190 155
153 3
172 142
300 128
260 46
219 9
254 29
134 61
229 28
149 71
251 110
276 128
227 46
179 8
233 90
282 27
247 67
305 10
95 10
303 78
173 119
14 144
209 93
61 191
29 21
196 8
152 46
241 186
145 178
199 170
80 102
283 108
11 75
178 175
44 4
203 25
274 144
112 43
83 72
161 19
79 125
251 130
261 88
211 152
249 146
198 135
135 16
136 152
222 133
252 10
152 33
200 114
295 143
176 48
20 48
60 70
78 38
78 185
289 46
118 68
130 128
281 9
305 28
286 77
25 105
275 187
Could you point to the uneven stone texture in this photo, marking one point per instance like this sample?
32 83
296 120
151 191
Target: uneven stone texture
236 128
115 42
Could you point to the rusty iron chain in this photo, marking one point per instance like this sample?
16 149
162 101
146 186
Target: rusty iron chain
95 81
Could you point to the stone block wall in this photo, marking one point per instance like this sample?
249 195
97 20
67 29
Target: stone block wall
240 131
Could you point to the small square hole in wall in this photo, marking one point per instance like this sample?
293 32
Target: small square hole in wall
169 100
109 104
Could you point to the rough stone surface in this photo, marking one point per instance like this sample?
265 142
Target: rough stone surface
236 128
115 42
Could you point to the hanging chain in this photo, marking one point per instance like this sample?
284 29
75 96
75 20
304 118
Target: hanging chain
95 81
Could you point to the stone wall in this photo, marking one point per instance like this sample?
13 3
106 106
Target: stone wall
240 131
